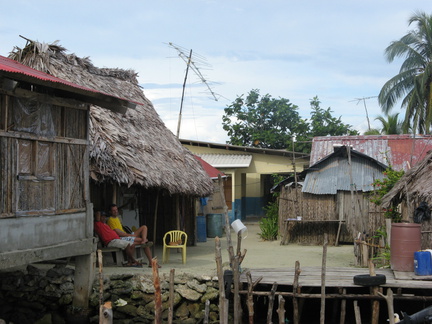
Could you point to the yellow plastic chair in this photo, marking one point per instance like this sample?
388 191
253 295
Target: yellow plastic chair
174 240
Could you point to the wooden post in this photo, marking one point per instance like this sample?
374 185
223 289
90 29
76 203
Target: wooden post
83 279
374 291
105 309
222 299
235 259
323 277
271 302
390 308
171 297
285 234
206 311
357 312
297 271
343 308
157 294
101 286
236 279
155 222
281 309
249 301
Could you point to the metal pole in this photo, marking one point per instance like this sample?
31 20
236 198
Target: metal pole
181 102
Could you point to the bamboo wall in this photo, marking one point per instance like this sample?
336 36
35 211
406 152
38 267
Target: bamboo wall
358 213
42 174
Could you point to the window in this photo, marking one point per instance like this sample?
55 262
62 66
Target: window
36 185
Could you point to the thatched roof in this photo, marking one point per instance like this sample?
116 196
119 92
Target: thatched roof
133 148
415 183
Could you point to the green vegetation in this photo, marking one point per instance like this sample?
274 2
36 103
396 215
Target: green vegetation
382 257
269 223
382 187
413 83
266 122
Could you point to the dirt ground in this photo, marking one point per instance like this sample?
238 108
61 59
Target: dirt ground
260 254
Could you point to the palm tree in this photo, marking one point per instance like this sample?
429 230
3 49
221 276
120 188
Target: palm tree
390 125
413 83
372 131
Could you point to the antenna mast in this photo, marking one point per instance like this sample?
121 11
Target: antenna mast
181 102
193 64
364 102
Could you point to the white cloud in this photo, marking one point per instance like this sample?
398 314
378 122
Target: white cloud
295 50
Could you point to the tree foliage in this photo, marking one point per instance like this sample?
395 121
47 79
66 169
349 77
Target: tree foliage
390 124
266 122
263 122
382 187
413 82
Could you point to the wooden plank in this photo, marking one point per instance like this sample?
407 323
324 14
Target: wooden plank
335 277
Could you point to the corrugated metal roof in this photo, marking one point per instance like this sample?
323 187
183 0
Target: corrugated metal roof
402 151
245 149
212 172
227 160
334 174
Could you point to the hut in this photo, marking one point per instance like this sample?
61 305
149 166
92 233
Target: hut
331 196
135 161
413 188
45 209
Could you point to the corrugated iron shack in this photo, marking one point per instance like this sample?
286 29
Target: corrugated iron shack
331 197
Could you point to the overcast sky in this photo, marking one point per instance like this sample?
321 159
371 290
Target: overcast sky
290 49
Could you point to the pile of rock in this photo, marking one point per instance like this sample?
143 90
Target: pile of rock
45 296
132 297
28 296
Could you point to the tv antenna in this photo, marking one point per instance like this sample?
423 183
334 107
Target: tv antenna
364 102
192 63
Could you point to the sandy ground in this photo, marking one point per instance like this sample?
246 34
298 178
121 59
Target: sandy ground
260 254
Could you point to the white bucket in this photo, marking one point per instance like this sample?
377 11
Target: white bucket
238 226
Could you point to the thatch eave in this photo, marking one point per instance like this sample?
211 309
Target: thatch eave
415 183
134 148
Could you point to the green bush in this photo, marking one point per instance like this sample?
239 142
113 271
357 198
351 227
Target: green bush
382 187
269 223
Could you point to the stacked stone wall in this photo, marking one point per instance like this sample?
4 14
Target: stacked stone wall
45 296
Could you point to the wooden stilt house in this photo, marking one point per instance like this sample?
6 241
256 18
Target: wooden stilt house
45 208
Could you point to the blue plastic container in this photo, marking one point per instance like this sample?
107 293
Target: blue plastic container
201 229
422 263
214 225
231 218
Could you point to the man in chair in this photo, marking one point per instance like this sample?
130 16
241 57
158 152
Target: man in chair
111 239
140 234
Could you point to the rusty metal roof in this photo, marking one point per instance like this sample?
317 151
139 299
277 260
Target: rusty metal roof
401 151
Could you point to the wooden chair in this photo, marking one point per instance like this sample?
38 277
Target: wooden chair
174 240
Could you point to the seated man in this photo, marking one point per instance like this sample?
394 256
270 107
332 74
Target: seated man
115 223
110 238
140 235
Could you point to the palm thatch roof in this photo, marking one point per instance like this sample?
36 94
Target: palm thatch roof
131 148
414 184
